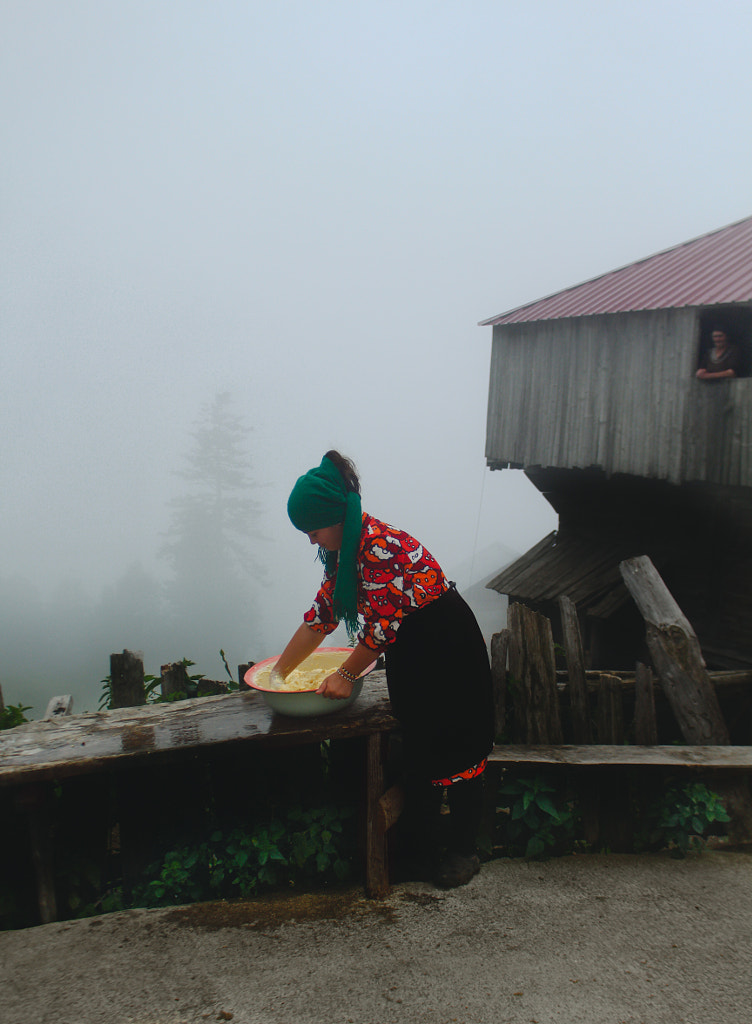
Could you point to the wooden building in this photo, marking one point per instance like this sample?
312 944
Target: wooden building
593 393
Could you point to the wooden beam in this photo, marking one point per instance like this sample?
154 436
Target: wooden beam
96 741
610 755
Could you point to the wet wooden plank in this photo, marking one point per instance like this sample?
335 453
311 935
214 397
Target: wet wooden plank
80 744
608 755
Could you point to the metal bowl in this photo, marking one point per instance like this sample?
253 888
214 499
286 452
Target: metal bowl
306 703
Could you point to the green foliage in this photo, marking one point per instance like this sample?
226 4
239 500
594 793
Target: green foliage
152 684
13 715
534 820
678 819
304 845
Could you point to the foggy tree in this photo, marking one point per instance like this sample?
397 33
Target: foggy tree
209 544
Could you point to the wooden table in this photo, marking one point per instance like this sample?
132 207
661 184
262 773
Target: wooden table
42 752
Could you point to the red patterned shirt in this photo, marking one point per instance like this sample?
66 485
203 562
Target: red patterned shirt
396 575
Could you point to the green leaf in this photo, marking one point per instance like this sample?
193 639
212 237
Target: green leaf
546 805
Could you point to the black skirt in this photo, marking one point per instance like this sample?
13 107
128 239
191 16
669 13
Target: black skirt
439 683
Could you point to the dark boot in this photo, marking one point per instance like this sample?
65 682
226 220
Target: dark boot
465 811
417 833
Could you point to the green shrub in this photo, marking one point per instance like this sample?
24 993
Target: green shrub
306 845
533 818
13 715
678 819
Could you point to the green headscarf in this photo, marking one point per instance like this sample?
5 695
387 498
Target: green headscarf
320 498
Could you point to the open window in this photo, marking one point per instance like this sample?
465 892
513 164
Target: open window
736 322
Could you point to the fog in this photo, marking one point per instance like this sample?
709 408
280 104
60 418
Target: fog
306 208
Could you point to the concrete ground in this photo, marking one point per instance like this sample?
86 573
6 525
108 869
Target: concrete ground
592 939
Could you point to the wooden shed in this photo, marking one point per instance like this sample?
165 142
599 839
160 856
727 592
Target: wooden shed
593 393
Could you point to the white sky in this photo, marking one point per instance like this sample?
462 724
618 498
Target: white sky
311 205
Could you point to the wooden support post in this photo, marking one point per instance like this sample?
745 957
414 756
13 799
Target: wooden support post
499 650
645 725
33 800
677 657
391 805
578 693
377 868
127 674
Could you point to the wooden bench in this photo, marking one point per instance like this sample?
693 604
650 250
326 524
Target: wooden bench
34 756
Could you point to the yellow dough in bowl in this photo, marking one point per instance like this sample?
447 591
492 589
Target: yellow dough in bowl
297 680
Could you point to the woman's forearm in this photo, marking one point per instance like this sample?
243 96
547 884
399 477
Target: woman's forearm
303 642
360 659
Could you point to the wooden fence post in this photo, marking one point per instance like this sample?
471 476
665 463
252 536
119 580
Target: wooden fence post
127 675
499 649
242 669
610 710
533 663
578 694
645 725
174 679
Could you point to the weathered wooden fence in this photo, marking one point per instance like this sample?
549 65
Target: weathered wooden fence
606 720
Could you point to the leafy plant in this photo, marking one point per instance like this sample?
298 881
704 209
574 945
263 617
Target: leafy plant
304 845
13 715
678 819
534 820
233 684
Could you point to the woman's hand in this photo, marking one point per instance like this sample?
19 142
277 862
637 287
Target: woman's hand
336 687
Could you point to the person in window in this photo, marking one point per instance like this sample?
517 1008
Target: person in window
722 360
396 601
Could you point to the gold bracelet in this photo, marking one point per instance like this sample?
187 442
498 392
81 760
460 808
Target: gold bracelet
350 677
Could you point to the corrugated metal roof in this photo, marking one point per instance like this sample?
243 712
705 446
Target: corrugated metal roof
715 268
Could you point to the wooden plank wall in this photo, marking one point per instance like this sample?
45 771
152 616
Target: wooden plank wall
617 392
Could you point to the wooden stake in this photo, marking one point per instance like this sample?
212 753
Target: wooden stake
578 694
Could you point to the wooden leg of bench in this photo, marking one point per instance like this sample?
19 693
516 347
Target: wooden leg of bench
377 867
33 799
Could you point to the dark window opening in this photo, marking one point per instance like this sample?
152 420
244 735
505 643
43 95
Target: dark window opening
736 322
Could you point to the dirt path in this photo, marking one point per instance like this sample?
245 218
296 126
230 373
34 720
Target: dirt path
591 939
